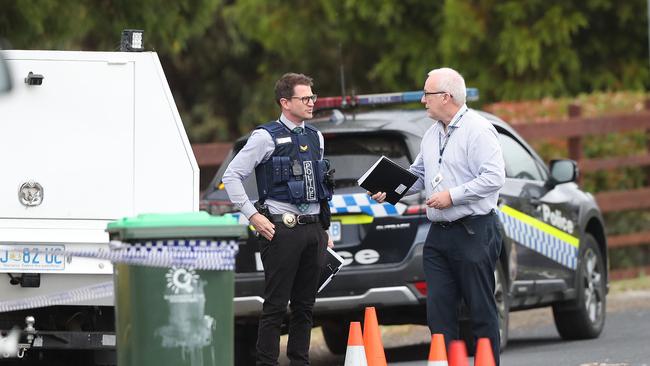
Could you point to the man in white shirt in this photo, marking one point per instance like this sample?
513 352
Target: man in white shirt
460 166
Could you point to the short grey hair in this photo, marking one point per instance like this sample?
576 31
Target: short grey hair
452 82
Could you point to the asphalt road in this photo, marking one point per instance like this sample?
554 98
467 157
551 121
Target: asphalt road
624 341
533 340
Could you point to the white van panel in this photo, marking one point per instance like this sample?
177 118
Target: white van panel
104 139
163 154
74 135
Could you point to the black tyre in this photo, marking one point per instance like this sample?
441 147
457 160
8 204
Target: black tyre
503 309
585 318
336 337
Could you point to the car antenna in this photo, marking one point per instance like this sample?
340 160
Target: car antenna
344 102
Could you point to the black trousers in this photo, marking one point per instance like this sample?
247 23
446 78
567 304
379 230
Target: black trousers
292 266
459 263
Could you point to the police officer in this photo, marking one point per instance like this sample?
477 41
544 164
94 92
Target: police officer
461 168
287 157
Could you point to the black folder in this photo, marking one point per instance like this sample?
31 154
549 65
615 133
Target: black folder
387 176
333 263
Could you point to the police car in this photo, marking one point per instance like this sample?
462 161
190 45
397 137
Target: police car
554 251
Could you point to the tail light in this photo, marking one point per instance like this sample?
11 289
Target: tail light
421 286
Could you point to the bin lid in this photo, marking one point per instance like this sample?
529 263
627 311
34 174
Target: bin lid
177 225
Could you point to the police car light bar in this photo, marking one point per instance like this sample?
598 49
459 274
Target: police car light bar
380 99
472 95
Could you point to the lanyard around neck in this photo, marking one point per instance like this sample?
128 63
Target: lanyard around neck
451 128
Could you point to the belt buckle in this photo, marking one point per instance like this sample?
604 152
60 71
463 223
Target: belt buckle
289 220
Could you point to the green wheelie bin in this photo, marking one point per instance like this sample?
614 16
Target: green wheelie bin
174 288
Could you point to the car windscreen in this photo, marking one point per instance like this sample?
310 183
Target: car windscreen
353 154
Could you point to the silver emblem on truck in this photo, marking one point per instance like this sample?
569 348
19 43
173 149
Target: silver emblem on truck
30 194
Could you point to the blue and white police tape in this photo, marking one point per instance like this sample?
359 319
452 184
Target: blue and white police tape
198 254
195 254
217 255
92 292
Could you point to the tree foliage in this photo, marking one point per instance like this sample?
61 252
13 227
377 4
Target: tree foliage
222 58
96 25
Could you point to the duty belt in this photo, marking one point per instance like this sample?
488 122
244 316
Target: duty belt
290 220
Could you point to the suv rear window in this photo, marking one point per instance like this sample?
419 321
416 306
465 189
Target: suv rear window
352 154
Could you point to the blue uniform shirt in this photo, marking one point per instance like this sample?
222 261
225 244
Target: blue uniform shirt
472 166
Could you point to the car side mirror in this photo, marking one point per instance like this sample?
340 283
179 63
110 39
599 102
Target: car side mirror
5 79
562 171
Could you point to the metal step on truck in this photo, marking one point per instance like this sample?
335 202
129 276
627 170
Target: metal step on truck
85 138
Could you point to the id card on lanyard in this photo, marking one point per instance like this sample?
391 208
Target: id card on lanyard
451 128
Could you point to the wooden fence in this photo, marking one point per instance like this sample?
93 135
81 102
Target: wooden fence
574 131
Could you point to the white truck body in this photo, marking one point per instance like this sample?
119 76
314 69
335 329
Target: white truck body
103 139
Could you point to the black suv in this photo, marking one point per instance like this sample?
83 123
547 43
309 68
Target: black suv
554 250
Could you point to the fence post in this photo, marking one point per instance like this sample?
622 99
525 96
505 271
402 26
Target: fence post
575 142
647 145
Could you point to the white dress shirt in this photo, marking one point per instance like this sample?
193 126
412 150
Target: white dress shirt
472 166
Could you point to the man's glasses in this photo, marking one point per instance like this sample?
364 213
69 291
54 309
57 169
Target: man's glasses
305 100
438 92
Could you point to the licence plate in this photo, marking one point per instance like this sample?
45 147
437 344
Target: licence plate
33 258
335 230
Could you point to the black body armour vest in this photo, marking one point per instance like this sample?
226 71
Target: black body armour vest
295 173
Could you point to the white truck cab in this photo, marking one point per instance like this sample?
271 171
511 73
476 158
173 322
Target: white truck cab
85 138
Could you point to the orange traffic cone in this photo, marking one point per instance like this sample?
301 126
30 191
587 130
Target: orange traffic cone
458 354
355 355
372 339
437 353
484 355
